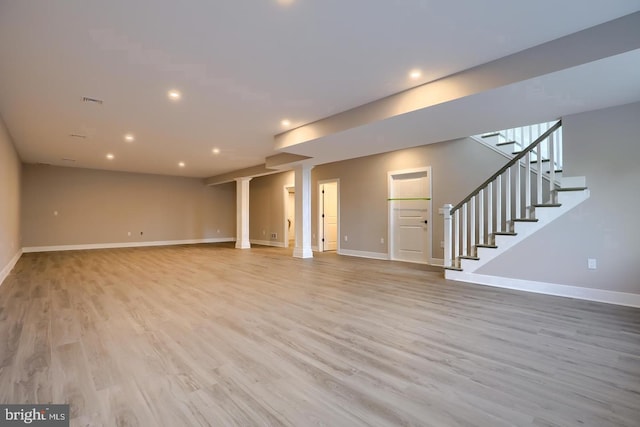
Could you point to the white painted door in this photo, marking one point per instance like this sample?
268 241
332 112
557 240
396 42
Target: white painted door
329 215
410 207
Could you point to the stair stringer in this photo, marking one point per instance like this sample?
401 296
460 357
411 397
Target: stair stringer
544 215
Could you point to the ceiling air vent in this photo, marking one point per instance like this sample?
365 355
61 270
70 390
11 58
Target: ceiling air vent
64 159
77 135
94 100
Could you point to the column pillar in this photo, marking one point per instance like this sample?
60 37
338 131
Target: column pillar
242 213
303 212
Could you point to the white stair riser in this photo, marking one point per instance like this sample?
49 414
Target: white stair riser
467 264
544 214
484 253
502 240
524 228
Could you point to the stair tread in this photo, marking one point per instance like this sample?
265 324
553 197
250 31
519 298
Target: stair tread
571 189
556 171
504 233
547 205
525 220
474 258
489 135
543 161
487 246
453 268
501 144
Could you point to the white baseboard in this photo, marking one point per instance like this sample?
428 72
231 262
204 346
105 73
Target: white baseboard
125 244
267 243
7 268
363 254
578 292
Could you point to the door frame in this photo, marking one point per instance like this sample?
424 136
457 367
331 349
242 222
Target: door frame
286 189
390 221
320 220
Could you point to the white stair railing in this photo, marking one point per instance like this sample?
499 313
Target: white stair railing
503 198
516 139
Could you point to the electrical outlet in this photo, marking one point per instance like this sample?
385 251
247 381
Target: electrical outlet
382 240
442 244
218 231
346 238
592 263
274 235
129 233
55 213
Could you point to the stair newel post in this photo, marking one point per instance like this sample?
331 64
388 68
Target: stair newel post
498 203
464 226
527 184
552 166
481 217
448 232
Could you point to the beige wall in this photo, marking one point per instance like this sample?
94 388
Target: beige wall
96 207
604 147
267 205
457 167
10 166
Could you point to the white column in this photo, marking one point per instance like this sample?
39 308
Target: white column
303 212
242 213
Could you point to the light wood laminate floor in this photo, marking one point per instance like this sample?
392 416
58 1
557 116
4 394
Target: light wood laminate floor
210 335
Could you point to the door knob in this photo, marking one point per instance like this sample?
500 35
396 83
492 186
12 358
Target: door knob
426 222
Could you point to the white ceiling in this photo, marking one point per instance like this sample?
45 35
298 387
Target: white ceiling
242 67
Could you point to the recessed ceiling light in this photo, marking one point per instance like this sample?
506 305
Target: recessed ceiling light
216 151
174 95
110 156
415 74
181 164
129 137
285 123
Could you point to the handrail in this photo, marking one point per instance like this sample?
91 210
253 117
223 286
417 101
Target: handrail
512 162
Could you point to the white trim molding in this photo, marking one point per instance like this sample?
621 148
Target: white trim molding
125 245
267 243
7 268
364 254
578 292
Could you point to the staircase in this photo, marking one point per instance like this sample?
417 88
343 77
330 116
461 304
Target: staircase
510 142
521 198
